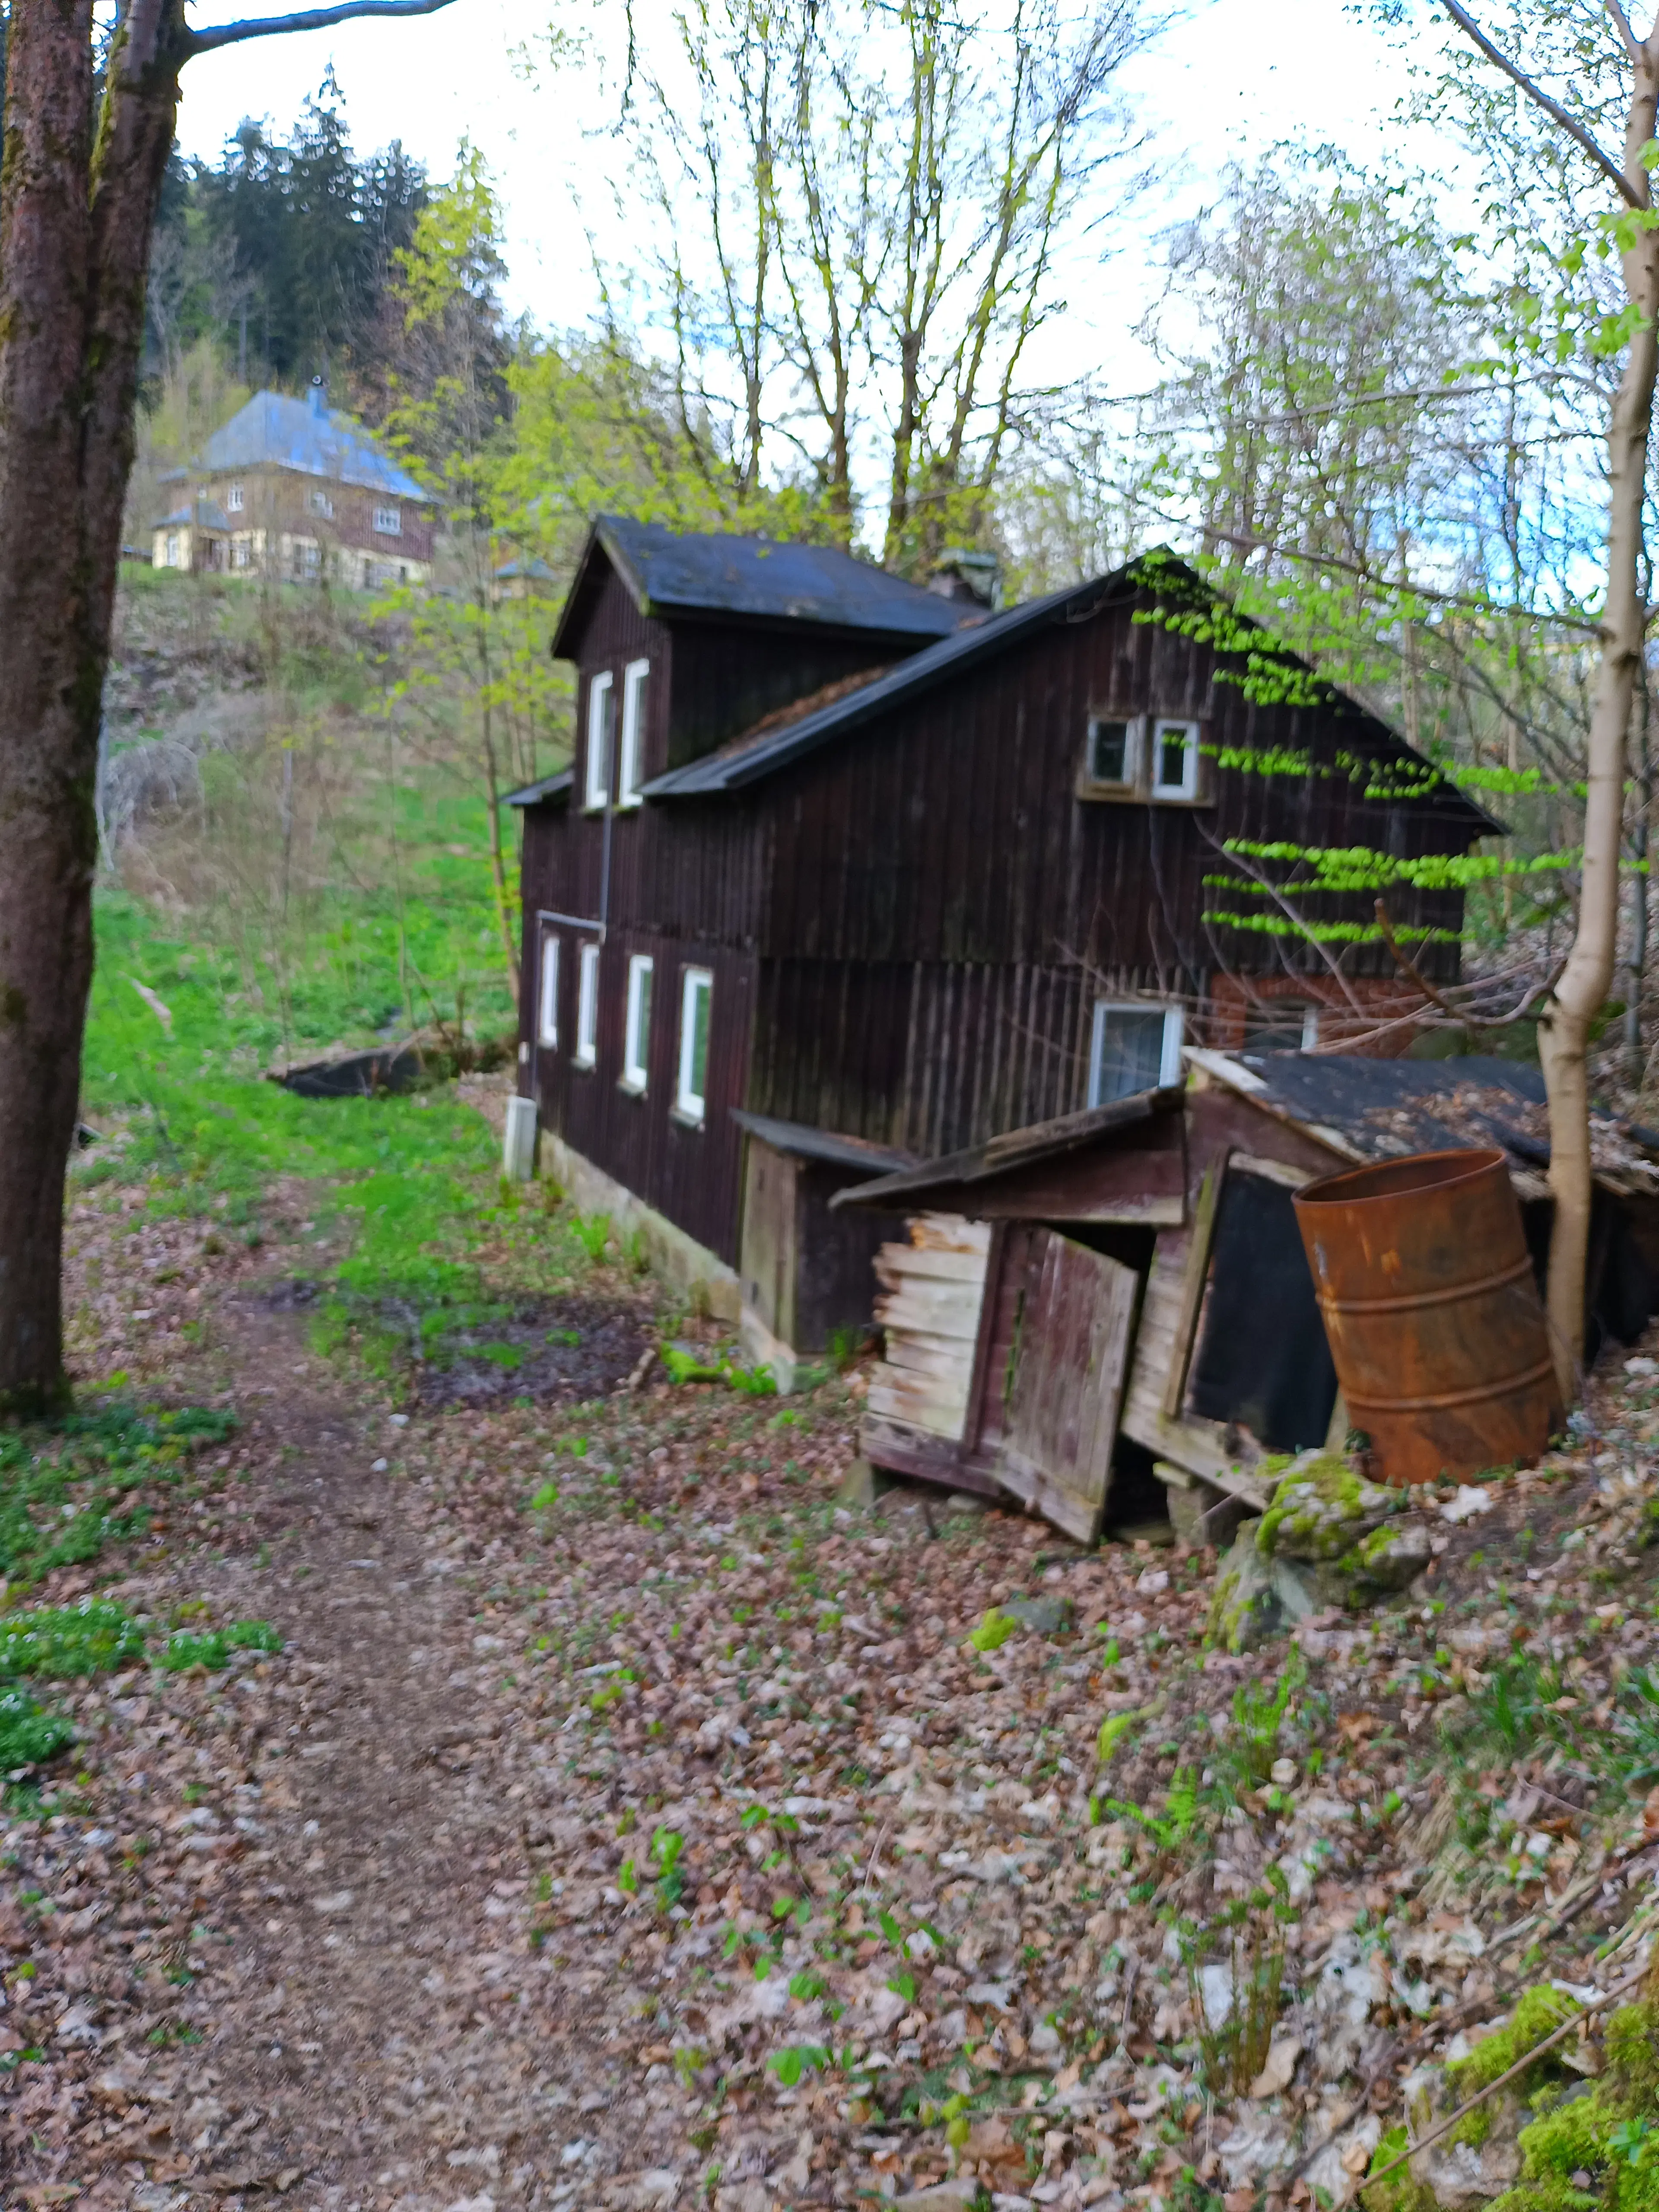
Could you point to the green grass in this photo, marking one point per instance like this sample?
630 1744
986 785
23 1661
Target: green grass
70 1488
63 1643
213 1650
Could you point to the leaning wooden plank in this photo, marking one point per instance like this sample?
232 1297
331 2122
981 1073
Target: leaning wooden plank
1201 1447
915 1316
918 1261
940 1412
1197 1269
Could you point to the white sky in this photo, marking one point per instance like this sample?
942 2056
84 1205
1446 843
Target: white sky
1233 76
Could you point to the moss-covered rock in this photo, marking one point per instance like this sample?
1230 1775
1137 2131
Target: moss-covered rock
1322 1510
1596 2143
1256 1598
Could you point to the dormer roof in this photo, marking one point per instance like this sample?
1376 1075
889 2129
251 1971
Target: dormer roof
690 574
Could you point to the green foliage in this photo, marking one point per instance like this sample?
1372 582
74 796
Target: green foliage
1247 1939
29 1736
1258 1717
70 1487
793 2063
994 1630
593 1233
1595 2145
62 1643
213 1650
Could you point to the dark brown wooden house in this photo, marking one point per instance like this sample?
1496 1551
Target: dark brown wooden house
892 873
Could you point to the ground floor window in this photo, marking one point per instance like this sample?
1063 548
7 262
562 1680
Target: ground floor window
637 1025
1132 1046
587 1007
547 1008
696 1005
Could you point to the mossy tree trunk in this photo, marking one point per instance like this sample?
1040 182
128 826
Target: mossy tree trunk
80 179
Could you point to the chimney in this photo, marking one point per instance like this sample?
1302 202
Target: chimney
319 396
962 574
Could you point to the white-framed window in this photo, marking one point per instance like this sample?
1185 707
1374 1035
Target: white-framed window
636 1025
234 500
174 542
587 1006
696 1008
389 521
323 505
547 1003
597 788
1132 1046
1114 754
1175 759
241 550
630 765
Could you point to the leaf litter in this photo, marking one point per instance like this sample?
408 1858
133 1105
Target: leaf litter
625 1820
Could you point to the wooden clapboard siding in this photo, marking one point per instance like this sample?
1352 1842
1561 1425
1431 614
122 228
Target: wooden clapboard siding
933 1286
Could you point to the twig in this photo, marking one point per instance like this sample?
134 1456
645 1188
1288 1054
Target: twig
1519 2066
1574 129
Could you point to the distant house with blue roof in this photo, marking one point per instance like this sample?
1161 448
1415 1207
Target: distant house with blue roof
293 488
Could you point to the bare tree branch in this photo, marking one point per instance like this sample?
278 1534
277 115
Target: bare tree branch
1632 43
309 19
1575 129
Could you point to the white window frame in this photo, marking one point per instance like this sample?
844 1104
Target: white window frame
323 505
1175 1030
630 760
1133 744
547 1002
234 499
389 521
596 785
636 1025
690 1103
587 1007
1188 786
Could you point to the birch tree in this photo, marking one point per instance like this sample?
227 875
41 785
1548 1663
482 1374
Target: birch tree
1590 81
90 110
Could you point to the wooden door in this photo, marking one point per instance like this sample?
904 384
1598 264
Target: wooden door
1071 1323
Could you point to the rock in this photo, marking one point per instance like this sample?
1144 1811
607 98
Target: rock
1043 1616
1322 1510
1201 1516
965 1502
944 2196
1257 1598
1275 2076
863 1484
1389 1560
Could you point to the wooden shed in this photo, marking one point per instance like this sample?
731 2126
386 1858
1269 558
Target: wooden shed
1135 1273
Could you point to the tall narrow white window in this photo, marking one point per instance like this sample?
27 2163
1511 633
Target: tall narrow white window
587 1007
636 1028
547 1004
696 1005
234 500
1133 1047
597 786
630 769
1175 760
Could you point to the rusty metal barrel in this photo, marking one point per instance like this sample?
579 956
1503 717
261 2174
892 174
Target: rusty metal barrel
1429 1299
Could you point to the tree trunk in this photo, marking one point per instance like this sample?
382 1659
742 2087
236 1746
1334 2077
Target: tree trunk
75 225
77 212
1578 998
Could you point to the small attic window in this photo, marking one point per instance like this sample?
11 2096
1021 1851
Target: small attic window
1114 751
389 521
323 505
1175 759
234 500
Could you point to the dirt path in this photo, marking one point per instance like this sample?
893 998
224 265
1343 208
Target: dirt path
382 1867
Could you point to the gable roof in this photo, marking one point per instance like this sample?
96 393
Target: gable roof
764 750
693 572
273 431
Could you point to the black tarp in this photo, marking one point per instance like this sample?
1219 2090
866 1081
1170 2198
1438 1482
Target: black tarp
1262 1357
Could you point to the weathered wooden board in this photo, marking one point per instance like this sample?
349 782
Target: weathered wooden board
1074 1324
932 1289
